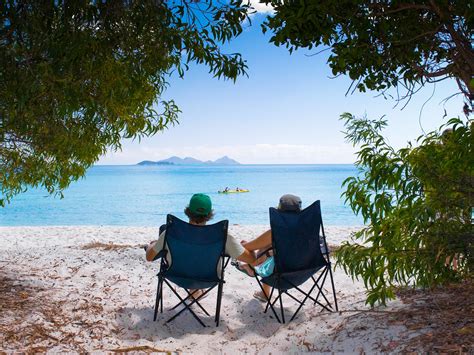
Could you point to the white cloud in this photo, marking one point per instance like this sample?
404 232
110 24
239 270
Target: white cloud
261 8
246 154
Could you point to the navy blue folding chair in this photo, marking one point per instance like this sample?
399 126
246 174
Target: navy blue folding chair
298 256
197 262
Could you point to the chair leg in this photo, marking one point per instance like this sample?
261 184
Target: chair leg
193 314
320 289
186 306
281 306
307 295
190 298
269 299
321 293
333 288
271 305
218 305
158 298
161 295
269 302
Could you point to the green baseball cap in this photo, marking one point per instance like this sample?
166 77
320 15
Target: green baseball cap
200 205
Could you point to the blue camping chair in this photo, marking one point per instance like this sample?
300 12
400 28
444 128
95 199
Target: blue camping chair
196 254
298 256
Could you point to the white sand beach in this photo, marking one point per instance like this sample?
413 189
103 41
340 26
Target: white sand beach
90 289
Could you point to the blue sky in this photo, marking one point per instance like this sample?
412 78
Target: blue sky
286 111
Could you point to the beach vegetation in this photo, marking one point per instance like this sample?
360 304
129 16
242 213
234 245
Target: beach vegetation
78 76
416 203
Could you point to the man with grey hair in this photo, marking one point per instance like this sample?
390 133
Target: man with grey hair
289 203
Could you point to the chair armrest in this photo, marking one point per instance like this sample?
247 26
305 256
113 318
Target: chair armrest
265 252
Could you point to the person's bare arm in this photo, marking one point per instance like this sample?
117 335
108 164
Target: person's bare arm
247 257
261 242
155 247
150 252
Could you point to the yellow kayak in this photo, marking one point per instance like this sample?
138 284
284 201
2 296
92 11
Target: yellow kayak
233 191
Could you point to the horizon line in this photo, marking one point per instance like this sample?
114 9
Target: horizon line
137 164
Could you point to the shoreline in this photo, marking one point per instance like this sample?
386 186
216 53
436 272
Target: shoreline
90 289
335 235
257 225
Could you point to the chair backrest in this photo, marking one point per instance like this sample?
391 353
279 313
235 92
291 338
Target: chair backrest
295 239
195 250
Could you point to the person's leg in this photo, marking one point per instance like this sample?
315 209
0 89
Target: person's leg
264 247
263 296
243 267
266 291
196 293
262 255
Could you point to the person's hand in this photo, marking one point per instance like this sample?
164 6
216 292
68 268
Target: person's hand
149 245
243 242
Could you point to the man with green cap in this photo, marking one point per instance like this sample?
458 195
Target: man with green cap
199 209
199 212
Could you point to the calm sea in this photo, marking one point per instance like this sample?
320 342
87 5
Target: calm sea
143 195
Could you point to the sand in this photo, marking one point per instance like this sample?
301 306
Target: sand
90 289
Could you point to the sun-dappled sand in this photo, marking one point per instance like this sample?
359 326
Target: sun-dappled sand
90 289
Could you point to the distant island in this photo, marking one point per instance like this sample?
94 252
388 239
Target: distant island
225 160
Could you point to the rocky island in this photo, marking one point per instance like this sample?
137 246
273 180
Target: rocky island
225 160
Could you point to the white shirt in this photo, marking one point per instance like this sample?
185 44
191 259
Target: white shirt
232 247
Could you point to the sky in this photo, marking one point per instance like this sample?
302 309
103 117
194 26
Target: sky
285 112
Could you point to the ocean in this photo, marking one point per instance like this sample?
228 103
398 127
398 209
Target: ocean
144 195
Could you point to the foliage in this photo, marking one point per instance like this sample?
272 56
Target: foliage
77 76
416 203
383 44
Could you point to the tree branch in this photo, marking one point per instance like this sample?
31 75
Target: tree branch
399 8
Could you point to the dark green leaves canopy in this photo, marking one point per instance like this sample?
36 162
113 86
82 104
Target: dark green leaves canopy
383 44
77 76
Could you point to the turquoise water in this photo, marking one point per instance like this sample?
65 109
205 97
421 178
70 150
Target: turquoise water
143 195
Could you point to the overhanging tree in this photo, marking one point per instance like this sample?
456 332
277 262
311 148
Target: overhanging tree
77 76
384 44
416 202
